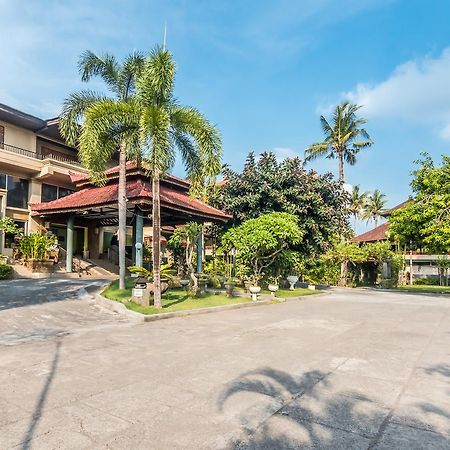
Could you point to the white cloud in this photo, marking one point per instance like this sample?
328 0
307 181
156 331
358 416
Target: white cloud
417 91
285 152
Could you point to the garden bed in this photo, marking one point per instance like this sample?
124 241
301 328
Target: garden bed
425 289
287 293
173 300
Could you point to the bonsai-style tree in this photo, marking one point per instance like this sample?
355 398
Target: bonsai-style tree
186 237
344 137
259 241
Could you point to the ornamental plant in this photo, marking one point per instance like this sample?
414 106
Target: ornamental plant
7 225
36 246
259 241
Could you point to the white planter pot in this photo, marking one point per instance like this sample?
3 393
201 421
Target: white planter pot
273 288
184 283
292 279
254 290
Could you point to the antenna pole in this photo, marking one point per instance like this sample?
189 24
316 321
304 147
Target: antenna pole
165 35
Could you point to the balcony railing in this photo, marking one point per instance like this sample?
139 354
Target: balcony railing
57 156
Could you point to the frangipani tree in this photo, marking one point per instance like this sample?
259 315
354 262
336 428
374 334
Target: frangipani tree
101 125
259 241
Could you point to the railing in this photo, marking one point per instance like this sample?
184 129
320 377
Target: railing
55 156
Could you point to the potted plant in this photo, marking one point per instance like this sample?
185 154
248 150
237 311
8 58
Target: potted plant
3 259
229 286
273 285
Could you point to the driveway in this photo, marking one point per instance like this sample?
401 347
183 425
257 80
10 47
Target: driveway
348 370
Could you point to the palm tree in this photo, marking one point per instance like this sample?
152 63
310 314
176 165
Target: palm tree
374 207
165 127
358 201
93 110
341 137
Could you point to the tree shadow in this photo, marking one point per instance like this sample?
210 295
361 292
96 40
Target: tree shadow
37 413
440 369
292 412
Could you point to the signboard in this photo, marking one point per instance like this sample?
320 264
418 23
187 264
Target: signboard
138 293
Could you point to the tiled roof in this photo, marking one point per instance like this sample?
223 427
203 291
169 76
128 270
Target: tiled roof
136 189
377 234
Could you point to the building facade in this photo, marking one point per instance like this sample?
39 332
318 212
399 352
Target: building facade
35 166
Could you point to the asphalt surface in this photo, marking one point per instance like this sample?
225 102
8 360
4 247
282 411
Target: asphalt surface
347 370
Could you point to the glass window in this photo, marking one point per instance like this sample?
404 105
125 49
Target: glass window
17 196
2 181
9 238
64 191
48 192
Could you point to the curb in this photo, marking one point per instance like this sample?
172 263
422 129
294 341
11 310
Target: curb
120 308
405 291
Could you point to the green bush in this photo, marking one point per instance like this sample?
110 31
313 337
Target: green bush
429 281
5 271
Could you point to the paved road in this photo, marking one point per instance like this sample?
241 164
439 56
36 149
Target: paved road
349 370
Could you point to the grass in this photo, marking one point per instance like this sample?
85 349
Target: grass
287 293
172 300
425 288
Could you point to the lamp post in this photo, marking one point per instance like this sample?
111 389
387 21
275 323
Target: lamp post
410 264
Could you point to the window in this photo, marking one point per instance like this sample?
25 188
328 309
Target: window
2 136
50 192
2 181
17 196
9 238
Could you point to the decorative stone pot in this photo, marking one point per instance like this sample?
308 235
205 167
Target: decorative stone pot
41 265
292 279
254 290
273 288
3 259
184 283
229 287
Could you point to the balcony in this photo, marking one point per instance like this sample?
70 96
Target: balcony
49 154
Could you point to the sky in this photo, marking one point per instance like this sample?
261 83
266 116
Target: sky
263 71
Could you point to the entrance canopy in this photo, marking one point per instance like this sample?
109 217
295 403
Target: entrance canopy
99 203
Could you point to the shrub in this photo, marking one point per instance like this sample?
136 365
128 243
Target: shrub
429 281
36 246
5 271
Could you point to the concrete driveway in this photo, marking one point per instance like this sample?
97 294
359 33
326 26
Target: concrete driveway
347 370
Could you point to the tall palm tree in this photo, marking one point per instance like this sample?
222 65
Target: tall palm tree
374 206
358 201
87 109
152 125
165 128
341 137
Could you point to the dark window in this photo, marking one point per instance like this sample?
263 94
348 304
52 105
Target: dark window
63 192
17 196
49 193
2 181
2 135
9 238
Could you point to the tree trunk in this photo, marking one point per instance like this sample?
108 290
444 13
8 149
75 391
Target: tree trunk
341 168
156 242
122 206
344 272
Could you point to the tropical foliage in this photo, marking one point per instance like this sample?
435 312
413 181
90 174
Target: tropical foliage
259 241
424 222
36 246
266 185
5 271
7 225
374 207
345 137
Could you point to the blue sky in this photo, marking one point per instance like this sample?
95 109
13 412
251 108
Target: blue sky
263 71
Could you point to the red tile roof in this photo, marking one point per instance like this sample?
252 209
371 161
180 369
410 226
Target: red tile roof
137 189
377 234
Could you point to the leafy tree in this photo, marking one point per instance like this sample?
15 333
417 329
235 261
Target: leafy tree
7 225
374 206
266 185
97 143
424 222
259 241
344 137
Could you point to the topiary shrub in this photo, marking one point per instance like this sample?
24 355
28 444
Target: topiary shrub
5 271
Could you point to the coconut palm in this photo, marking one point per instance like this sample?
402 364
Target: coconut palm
374 206
341 137
167 129
86 111
358 201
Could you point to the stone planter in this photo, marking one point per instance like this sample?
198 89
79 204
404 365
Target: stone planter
184 283
273 288
3 259
254 290
229 288
292 279
41 265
